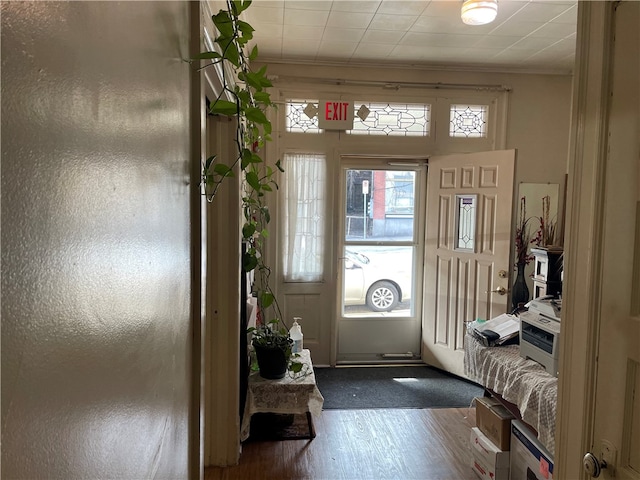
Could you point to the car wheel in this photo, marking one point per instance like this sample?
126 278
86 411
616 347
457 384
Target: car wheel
382 297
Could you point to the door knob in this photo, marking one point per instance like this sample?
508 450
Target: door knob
500 290
592 465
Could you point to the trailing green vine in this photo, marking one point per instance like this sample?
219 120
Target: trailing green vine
245 98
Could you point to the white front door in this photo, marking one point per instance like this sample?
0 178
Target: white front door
468 239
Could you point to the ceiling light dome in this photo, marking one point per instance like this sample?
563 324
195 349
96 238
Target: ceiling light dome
479 12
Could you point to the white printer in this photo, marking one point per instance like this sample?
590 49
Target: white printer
540 332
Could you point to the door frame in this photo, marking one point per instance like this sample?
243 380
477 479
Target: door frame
584 240
416 163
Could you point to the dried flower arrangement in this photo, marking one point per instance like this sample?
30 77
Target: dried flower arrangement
523 236
544 236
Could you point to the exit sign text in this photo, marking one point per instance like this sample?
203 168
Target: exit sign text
335 115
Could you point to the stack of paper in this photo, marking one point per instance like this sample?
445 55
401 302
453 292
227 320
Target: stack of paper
496 331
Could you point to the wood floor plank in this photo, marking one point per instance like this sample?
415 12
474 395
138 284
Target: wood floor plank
376 444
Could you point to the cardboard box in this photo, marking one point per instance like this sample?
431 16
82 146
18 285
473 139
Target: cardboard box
487 460
494 420
486 473
529 459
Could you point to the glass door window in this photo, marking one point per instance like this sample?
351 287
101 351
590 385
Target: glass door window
380 263
379 208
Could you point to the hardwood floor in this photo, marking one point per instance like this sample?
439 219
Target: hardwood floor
402 444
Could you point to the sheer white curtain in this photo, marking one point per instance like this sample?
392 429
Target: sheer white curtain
304 217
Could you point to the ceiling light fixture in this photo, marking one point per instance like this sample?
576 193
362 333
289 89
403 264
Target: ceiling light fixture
479 12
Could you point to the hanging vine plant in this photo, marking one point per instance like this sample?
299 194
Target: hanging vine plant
244 97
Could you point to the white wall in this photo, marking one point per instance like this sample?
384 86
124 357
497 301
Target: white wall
96 254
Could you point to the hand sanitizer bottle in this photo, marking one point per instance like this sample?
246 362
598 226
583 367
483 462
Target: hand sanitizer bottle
295 332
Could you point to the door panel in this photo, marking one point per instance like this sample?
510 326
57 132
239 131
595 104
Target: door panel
467 245
311 307
617 405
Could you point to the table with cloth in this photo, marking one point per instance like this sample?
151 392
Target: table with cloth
296 393
522 382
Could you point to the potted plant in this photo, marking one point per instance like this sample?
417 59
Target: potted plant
244 96
272 346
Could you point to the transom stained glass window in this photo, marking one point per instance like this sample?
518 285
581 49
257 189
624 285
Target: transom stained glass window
301 116
393 119
468 121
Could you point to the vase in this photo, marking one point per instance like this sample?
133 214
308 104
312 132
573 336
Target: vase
273 362
520 291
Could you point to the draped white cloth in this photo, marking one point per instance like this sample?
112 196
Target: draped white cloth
520 381
295 393
304 217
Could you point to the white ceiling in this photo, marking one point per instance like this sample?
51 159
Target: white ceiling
531 36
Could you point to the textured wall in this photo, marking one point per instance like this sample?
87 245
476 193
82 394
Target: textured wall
95 240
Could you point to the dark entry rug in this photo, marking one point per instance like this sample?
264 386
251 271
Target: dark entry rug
393 387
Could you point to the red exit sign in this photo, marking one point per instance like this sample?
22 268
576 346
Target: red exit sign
335 115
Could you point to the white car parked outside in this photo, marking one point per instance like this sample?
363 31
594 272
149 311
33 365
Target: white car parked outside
380 282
